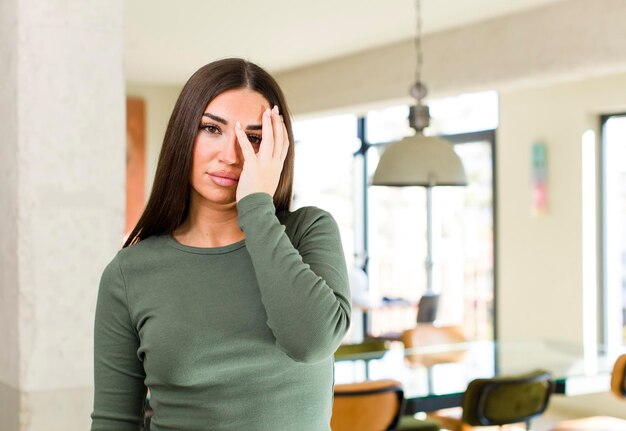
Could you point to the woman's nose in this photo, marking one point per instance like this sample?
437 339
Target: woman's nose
230 153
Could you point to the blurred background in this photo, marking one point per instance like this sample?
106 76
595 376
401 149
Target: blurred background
531 93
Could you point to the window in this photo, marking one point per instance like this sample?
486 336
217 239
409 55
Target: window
324 176
463 222
388 226
463 238
613 268
324 170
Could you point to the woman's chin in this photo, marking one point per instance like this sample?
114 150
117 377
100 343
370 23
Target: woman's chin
217 197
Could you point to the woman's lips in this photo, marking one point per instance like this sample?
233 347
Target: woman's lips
224 179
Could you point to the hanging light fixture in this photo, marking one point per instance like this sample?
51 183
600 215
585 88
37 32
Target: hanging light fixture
420 160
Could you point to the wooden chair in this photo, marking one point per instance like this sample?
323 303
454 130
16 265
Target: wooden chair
427 334
604 423
367 406
501 401
618 377
426 314
373 406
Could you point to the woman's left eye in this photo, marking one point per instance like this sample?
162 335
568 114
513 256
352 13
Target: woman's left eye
254 139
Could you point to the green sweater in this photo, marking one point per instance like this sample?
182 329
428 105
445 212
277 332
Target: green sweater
239 337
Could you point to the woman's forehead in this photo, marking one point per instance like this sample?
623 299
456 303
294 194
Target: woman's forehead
239 100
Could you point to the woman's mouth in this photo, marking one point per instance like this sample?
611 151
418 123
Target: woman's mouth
224 179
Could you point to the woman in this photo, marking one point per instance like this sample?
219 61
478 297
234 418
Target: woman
222 302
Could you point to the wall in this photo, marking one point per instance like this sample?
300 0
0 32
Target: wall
541 258
565 40
543 290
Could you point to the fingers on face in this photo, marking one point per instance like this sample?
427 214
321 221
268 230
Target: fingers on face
285 148
274 137
267 135
244 143
279 135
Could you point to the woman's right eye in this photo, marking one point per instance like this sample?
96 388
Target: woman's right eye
209 128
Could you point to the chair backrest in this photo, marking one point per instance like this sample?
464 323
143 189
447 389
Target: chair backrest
367 349
618 377
367 406
506 400
427 334
427 308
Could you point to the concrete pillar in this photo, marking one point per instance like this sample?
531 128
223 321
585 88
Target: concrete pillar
62 155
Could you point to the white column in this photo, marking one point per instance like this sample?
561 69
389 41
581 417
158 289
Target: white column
62 177
9 358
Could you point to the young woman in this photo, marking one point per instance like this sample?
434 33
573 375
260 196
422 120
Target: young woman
222 302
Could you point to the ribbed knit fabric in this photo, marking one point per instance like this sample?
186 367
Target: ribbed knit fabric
239 337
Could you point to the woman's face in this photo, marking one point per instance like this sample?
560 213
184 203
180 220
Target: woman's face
217 157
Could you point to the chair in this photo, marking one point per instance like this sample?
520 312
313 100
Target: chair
426 314
604 423
427 308
427 334
367 349
501 401
618 377
373 406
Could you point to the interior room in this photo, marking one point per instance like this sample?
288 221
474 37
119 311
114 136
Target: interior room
527 256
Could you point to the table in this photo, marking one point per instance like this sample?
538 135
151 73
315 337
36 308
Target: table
433 387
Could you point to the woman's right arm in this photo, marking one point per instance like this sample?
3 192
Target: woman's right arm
118 373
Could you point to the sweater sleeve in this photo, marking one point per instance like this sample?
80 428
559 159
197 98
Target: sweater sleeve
305 290
118 373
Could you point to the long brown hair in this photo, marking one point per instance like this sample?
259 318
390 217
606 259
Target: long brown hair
168 205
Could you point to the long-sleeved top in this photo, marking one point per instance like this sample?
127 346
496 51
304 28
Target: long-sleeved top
239 337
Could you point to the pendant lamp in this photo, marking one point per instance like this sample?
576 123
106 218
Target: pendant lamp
420 160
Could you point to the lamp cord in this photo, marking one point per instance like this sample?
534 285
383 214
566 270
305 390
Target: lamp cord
418 41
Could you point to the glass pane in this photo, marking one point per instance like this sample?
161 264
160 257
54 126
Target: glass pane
386 125
462 247
324 170
464 113
615 215
466 243
468 112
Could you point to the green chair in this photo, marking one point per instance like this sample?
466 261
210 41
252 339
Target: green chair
501 401
409 423
366 350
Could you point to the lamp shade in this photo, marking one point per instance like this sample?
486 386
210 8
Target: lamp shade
420 161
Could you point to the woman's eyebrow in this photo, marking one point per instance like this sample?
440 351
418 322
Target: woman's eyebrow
224 122
215 118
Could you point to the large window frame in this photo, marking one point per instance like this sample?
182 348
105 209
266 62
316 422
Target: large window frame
361 204
606 336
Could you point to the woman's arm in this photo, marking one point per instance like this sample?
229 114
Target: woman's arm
305 290
118 373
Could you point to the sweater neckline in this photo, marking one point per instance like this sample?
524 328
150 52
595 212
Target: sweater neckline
205 250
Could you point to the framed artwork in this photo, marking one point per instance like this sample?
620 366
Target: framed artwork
539 180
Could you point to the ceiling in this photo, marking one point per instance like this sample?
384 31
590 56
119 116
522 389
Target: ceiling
165 41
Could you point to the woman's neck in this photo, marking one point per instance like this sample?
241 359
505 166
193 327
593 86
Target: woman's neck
209 227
